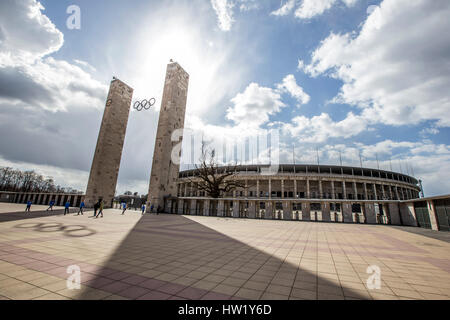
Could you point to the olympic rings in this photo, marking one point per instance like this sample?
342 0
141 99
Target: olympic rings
144 104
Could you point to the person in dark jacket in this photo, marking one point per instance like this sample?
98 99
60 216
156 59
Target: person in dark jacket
50 205
28 208
66 207
81 208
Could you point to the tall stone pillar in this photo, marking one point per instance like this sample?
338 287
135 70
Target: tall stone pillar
375 191
282 189
108 152
169 135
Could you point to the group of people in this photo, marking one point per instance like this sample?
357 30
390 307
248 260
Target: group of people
98 206
123 205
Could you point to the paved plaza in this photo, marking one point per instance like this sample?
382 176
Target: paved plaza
193 257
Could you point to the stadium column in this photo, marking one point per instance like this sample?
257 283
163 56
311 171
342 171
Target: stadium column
220 207
326 216
287 210
206 207
252 209
347 212
365 191
333 191
257 188
236 208
320 189
295 189
270 189
370 213
308 195
432 213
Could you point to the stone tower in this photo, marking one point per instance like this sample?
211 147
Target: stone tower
164 175
108 152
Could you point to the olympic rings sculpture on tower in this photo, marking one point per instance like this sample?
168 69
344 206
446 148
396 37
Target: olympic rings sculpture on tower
144 104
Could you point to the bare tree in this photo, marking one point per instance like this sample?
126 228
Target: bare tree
215 181
27 181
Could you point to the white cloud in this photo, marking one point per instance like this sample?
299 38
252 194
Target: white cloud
85 64
397 71
311 8
254 105
285 9
429 131
290 85
26 75
224 12
321 128
247 5
25 33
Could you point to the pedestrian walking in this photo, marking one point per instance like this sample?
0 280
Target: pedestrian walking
96 205
151 208
100 208
28 208
124 207
66 207
158 210
81 208
50 205
143 208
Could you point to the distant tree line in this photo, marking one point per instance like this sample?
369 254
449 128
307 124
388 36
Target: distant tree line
29 181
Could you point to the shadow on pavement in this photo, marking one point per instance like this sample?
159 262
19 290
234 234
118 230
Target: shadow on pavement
13 216
68 230
174 257
438 235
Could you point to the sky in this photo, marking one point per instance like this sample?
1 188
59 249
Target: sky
365 79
